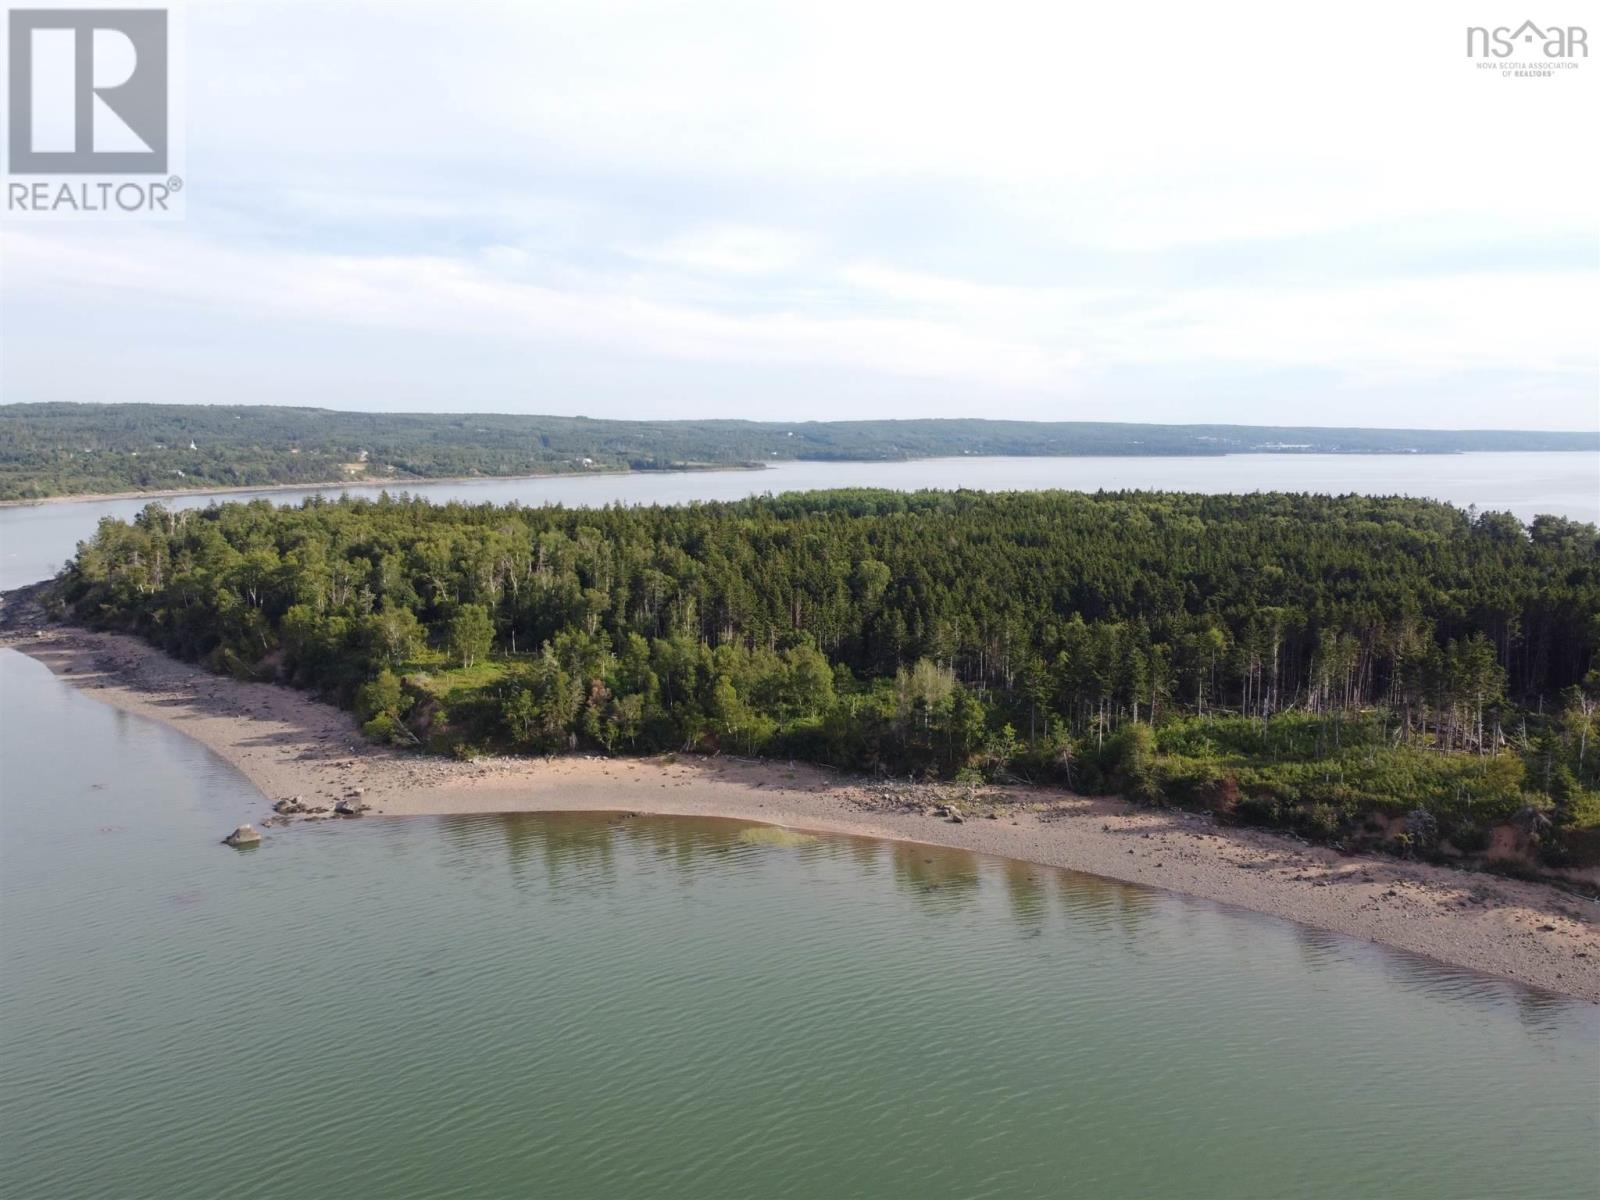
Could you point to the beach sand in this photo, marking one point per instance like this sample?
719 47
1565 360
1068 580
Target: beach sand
288 744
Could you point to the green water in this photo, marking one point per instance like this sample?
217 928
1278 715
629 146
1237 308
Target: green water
594 1006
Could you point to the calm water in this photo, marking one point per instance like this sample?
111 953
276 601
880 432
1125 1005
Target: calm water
559 1006
35 541
587 1006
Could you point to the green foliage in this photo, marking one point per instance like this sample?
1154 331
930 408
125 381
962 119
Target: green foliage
1294 660
1000 749
385 728
1134 762
540 705
394 633
470 633
54 449
1320 821
1469 837
381 696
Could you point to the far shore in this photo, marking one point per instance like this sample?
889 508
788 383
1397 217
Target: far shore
354 482
289 745
350 481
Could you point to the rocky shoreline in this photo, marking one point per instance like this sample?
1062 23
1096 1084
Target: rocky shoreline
310 763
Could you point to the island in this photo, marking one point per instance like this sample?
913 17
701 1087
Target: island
1385 672
1328 709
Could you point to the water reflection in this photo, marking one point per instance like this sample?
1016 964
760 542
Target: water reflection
1324 952
566 856
941 878
1026 892
1104 904
596 1004
571 850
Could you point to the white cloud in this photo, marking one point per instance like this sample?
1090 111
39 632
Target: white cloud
735 250
431 293
1156 122
917 324
1006 200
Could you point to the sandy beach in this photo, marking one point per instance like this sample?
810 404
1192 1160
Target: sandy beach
289 745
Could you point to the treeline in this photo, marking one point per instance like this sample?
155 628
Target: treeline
59 449
1305 660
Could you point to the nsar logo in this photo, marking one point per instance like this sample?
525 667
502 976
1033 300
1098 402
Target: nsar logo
1553 41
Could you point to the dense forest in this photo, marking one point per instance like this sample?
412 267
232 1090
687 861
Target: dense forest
1306 661
64 449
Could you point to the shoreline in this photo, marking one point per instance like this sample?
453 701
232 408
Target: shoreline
392 484
244 489
288 744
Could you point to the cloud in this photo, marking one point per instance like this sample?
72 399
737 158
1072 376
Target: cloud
408 293
1015 208
894 321
735 250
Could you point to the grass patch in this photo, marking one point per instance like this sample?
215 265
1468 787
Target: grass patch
771 835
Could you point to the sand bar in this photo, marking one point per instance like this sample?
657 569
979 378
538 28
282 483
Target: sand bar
288 744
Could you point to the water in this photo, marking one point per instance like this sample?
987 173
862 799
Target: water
581 1005
36 540
586 1005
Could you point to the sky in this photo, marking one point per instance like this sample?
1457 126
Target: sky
1137 211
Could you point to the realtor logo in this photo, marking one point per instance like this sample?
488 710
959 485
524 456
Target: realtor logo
87 91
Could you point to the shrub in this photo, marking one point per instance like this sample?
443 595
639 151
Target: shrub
1320 821
384 728
1468 837
1422 827
1189 781
381 696
1574 848
1134 754
1257 809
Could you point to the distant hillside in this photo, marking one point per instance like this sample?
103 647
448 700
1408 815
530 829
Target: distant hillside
64 449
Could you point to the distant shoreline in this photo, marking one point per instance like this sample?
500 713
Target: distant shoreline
290 745
701 468
244 489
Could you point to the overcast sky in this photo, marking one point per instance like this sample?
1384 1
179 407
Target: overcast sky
1133 211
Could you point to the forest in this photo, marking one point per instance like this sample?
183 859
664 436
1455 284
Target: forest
1334 665
68 449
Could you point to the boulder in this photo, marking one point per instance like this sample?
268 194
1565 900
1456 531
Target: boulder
245 835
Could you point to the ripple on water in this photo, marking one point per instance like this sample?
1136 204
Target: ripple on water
582 1005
